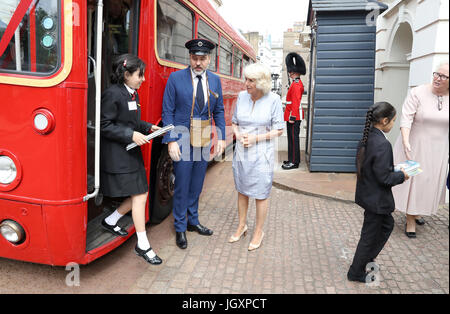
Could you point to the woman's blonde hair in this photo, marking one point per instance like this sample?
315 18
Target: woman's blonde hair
261 74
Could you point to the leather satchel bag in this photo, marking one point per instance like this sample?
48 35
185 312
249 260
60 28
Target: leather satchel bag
200 130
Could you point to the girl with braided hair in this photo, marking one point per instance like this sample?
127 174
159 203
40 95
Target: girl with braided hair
375 178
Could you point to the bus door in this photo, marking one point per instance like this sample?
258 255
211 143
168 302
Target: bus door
120 36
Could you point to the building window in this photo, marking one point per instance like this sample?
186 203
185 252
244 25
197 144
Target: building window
175 28
35 47
207 32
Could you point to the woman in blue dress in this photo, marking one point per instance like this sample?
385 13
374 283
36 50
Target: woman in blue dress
257 120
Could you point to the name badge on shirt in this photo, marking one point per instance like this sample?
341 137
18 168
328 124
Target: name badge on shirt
132 105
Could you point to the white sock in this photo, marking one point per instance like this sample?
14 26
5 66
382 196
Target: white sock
143 243
113 218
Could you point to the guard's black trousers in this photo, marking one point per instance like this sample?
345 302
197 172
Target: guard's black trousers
293 133
375 232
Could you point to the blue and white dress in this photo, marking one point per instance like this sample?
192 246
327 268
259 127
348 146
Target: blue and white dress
253 166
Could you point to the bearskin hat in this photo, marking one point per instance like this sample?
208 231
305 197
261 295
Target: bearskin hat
295 63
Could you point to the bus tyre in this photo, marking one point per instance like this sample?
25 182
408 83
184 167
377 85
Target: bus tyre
163 188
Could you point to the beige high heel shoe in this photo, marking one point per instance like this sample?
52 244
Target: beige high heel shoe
253 247
235 239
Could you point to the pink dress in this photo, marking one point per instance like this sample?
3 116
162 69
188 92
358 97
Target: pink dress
422 194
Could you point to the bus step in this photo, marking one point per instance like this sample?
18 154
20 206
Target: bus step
97 236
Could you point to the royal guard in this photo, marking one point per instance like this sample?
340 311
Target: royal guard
293 114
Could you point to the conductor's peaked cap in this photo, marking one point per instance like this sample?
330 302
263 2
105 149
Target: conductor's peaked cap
199 47
295 63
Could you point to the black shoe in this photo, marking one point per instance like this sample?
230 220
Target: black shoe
121 232
154 261
286 162
411 235
289 166
200 229
361 278
420 221
181 240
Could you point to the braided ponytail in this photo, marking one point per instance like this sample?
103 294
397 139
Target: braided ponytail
375 114
363 143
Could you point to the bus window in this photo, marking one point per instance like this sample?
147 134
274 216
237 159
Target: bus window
246 61
175 28
120 34
120 27
35 47
206 31
237 63
225 56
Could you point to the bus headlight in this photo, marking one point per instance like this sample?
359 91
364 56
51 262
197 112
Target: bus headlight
12 231
8 170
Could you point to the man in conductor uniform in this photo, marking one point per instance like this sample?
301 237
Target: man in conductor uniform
293 114
197 92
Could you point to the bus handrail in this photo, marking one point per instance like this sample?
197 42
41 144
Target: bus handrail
98 86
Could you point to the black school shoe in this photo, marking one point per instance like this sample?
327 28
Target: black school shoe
154 261
361 278
121 232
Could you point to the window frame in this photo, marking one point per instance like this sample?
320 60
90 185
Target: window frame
163 61
236 48
216 66
59 34
220 56
62 71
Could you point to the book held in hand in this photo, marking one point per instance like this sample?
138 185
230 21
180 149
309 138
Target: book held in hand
153 135
412 168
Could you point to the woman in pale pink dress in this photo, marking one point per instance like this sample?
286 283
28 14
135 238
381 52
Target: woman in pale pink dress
424 138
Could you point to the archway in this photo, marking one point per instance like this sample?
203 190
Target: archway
396 72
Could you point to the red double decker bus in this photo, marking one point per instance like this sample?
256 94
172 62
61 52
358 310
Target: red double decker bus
55 60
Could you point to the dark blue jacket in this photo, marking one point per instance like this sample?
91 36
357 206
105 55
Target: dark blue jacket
177 104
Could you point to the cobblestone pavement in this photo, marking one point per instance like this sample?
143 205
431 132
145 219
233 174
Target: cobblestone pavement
308 247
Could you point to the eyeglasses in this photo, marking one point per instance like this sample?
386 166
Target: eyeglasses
439 102
441 76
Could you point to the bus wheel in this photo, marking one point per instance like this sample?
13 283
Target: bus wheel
163 188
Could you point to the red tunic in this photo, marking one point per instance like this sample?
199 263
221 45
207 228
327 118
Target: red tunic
293 100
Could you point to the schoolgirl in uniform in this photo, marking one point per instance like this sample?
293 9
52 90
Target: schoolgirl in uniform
375 178
123 172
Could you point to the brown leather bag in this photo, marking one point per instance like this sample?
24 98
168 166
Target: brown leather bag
200 130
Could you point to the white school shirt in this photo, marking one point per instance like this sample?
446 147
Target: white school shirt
129 89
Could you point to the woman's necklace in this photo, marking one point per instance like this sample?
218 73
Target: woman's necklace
439 102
